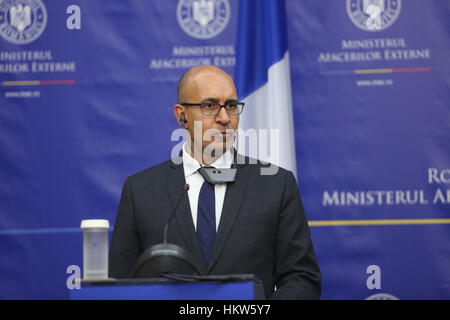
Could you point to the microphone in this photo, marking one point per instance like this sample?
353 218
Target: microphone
166 227
166 258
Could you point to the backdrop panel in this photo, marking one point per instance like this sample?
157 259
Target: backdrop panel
371 111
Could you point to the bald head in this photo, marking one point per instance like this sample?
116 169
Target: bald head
187 81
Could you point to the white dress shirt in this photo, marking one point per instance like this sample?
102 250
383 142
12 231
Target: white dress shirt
195 181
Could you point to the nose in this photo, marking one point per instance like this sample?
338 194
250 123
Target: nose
223 117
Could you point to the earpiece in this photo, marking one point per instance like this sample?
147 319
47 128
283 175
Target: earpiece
182 120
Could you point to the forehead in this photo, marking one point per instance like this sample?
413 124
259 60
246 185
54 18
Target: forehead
211 85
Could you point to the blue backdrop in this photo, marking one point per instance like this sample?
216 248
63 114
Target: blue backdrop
86 100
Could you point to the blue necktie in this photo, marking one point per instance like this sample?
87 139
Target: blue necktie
206 220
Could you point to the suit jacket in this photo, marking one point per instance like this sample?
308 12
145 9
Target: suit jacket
263 228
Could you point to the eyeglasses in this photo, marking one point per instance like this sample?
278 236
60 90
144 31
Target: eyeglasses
232 108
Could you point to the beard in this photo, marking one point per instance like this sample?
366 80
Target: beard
215 149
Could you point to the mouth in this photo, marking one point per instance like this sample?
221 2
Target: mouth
225 133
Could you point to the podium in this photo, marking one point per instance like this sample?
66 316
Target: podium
235 287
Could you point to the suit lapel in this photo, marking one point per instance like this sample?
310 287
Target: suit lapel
232 203
183 215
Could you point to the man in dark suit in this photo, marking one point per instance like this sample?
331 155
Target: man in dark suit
255 224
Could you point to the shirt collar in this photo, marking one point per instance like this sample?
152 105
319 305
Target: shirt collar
190 165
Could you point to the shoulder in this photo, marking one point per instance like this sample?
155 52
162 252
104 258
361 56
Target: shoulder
154 174
268 176
269 183
264 169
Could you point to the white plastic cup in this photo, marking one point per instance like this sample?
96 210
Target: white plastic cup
95 248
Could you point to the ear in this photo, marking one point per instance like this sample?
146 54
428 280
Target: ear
179 112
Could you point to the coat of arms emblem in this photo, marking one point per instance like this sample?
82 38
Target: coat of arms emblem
22 21
20 16
203 11
373 15
203 19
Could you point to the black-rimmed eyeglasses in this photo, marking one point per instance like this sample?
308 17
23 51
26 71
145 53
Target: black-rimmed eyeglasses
232 108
